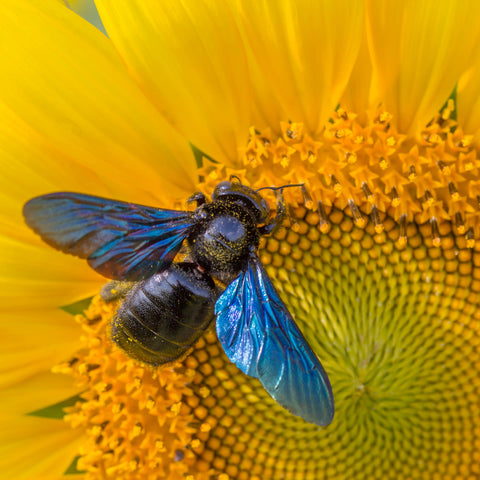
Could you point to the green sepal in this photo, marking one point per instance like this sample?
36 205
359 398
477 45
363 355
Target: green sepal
73 468
56 411
77 308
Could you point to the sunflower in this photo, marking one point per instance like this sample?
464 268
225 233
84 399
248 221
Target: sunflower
374 107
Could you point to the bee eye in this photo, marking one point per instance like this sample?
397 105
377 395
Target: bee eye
230 229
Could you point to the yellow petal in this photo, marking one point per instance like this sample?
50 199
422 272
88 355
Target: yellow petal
419 51
36 448
28 170
34 341
69 109
36 276
188 58
39 391
358 96
468 99
305 52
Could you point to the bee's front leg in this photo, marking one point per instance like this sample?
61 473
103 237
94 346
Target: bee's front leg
279 217
198 197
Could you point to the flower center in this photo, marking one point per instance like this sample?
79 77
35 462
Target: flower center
385 285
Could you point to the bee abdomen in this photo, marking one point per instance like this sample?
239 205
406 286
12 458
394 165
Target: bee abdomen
163 316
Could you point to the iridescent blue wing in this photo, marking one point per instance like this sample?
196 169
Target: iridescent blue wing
259 335
120 240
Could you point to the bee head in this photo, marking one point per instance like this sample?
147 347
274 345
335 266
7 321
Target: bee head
240 194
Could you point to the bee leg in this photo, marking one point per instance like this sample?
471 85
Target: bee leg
198 197
279 217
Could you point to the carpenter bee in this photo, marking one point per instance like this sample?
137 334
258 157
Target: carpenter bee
173 302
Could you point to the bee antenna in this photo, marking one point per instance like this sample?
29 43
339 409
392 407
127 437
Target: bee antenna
301 185
234 177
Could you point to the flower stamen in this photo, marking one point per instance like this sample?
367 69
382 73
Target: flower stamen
370 164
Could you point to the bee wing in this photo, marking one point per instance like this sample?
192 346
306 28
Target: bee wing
260 336
120 240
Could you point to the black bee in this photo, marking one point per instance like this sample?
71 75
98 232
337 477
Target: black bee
172 303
